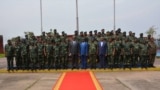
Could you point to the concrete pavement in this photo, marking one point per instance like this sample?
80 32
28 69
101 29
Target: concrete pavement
118 79
129 80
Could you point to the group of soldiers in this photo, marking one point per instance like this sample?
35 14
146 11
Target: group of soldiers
52 50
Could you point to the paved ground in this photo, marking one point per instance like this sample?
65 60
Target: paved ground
136 79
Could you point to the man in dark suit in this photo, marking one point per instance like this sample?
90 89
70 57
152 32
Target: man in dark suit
102 52
73 52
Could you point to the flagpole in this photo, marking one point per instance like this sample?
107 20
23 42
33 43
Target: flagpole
114 18
77 18
41 16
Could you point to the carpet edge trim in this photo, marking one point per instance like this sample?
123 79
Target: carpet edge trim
95 81
59 82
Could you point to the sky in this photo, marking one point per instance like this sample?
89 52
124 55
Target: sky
19 16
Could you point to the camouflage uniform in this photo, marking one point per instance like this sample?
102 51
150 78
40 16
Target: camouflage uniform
18 55
9 53
58 62
136 53
127 53
41 55
64 54
91 37
152 52
33 51
118 53
43 37
144 54
111 53
49 55
92 54
25 54
103 33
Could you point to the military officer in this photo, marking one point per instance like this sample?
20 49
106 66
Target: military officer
18 55
58 62
33 51
64 54
9 53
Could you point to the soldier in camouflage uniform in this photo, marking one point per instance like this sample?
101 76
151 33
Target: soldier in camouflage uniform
41 55
136 52
57 39
55 32
92 53
124 37
63 36
133 37
127 53
107 36
9 53
25 54
90 37
86 36
103 33
18 55
64 54
98 38
120 34
58 62
141 38
43 36
111 53
130 37
144 54
152 52
76 35
118 52
49 54
95 33
49 38
33 51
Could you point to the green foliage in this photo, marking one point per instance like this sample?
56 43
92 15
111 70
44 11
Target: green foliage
151 31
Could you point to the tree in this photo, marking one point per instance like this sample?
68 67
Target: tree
151 31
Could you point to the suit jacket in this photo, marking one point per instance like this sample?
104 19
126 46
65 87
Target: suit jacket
74 47
84 48
102 49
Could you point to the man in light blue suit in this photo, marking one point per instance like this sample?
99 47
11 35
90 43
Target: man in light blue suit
102 52
84 53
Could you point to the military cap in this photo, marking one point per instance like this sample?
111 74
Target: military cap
81 32
102 29
76 31
119 29
90 31
63 32
95 30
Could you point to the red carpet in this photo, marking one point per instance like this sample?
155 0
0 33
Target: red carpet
82 80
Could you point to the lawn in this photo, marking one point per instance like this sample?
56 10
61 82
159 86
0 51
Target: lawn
1 55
